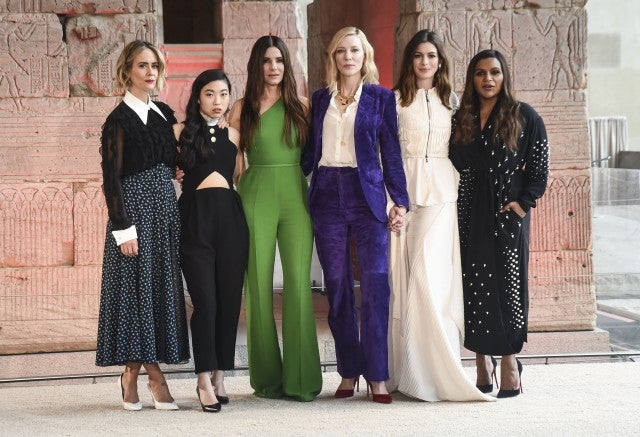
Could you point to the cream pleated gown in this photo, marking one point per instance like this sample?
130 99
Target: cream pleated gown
427 314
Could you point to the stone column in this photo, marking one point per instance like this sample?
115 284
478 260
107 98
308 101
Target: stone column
546 50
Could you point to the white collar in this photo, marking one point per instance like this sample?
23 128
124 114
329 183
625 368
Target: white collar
141 108
210 120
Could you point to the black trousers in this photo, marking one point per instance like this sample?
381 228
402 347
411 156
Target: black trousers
214 249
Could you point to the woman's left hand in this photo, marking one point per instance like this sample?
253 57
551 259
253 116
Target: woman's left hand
396 218
515 207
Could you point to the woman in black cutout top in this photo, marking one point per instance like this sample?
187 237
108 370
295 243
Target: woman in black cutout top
215 240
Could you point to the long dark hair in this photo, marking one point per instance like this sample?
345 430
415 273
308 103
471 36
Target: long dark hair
507 120
406 83
192 140
294 111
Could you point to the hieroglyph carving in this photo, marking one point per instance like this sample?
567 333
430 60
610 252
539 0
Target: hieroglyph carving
95 42
568 40
33 57
486 31
78 6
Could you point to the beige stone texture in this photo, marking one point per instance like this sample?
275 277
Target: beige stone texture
89 223
95 42
245 20
33 58
48 309
52 139
562 218
36 225
561 291
75 7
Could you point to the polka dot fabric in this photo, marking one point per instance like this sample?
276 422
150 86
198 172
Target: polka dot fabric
142 309
494 244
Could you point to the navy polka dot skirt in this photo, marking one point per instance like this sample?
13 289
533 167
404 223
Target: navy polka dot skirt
142 310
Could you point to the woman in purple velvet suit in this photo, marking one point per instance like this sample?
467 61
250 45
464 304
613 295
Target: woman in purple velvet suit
355 157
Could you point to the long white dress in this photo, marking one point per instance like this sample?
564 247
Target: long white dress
427 313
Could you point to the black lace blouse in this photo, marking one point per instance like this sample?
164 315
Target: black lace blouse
128 147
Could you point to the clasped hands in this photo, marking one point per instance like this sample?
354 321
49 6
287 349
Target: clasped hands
396 218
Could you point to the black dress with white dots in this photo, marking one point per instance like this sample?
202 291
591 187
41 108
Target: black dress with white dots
142 309
495 245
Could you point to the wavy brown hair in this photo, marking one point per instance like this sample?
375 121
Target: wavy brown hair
406 84
507 120
125 64
296 124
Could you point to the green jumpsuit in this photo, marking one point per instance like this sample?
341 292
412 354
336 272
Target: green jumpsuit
274 197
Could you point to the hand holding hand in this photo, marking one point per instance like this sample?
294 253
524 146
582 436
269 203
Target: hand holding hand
396 218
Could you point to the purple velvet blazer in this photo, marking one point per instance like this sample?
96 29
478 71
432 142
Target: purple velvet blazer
376 140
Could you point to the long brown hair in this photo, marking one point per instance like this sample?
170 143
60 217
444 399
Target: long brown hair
507 120
294 111
406 83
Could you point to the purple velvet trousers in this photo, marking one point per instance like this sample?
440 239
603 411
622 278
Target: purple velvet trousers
340 212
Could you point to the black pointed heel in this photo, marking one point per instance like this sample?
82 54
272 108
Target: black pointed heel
488 388
213 408
515 392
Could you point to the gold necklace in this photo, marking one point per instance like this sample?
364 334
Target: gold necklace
345 100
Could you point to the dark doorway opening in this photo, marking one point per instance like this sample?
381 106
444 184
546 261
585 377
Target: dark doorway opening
192 21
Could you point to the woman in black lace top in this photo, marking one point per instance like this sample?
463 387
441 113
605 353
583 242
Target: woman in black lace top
215 237
142 317
500 149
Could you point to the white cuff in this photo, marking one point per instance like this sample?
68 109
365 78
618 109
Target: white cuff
125 235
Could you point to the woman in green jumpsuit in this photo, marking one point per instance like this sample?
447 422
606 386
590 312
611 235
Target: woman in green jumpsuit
273 127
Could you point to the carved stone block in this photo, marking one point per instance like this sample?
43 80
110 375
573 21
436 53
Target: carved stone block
89 223
95 42
236 55
550 50
36 224
33 57
76 7
245 20
283 20
58 138
562 219
561 291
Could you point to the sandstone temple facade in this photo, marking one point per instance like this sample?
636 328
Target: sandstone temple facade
57 60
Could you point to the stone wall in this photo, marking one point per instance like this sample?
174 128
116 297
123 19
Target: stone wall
545 44
57 61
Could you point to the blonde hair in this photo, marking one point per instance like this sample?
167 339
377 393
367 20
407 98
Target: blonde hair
369 70
125 63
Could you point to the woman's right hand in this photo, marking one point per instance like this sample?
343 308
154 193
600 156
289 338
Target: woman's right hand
129 248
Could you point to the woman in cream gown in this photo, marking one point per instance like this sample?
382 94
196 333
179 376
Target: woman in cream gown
427 311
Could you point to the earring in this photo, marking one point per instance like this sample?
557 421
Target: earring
439 65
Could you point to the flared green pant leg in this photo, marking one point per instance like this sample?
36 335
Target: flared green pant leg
265 364
302 376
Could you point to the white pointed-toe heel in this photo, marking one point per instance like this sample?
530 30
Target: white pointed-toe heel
131 406
162 405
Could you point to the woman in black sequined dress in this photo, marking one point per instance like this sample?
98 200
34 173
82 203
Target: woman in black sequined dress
500 148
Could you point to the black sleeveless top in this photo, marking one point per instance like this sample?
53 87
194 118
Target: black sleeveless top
221 158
